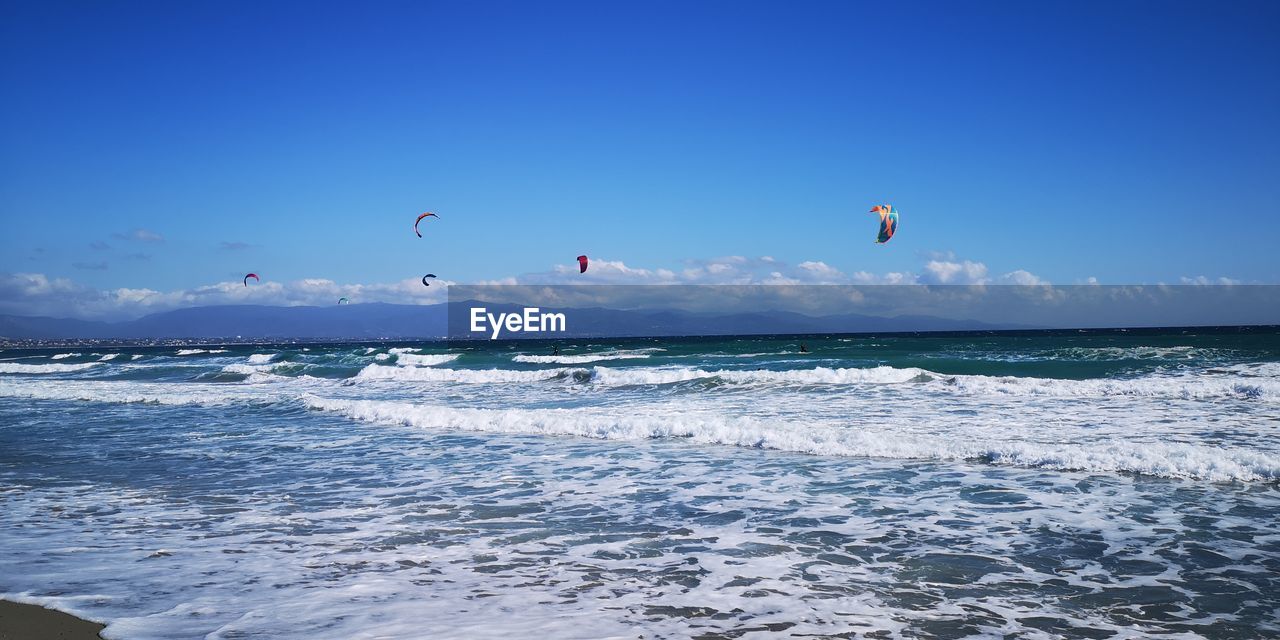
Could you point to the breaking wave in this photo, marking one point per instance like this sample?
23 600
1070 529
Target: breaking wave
427 360
633 354
45 368
471 376
1233 386
1167 460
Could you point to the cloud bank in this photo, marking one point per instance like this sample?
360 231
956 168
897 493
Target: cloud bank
39 295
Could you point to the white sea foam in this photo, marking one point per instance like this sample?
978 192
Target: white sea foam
427 360
818 375
1182 352
115 392
1257 387
635 376
262 358
1183 387
192 352
1169 460
632 354
109 356
470 376
60 356
45 368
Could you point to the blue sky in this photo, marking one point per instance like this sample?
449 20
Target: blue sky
166 147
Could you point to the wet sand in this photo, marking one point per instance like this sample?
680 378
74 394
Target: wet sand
31 622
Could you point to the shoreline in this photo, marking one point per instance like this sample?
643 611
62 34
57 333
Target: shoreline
20 621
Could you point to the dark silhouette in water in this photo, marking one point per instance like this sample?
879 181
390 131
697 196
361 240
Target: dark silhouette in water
555 350
803 348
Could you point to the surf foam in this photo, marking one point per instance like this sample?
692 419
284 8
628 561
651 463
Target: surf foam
1168 460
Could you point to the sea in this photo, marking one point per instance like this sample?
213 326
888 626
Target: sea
1078 484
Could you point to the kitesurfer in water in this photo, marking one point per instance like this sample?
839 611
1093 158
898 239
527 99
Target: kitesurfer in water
555 350
803 348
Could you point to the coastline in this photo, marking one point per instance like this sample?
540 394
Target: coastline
33 622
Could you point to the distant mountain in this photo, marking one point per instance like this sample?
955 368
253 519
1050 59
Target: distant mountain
392 321
36 327
366 321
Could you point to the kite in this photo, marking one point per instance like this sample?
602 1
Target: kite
415 222
888 222
424 279
343 301
582 264
251 275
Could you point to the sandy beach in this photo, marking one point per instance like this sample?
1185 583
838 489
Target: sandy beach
32 622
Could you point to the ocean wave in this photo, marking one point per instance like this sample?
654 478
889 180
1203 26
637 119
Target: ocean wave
192 352
45 368
60 356
614 377
424 360
1090 354
1178 387
259 373
247 369
126 393
1183 352
109 356
262 358
818 375
1167 460
583 358
471 376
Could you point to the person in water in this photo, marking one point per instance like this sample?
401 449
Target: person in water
555 350
803 348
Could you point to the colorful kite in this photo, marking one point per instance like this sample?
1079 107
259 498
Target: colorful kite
415 222
888 222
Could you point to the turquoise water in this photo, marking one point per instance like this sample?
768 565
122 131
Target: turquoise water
1098 484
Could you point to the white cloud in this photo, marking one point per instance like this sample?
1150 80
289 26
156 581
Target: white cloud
1204 280
821 273
36 294
139 235
1021 277
953 272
